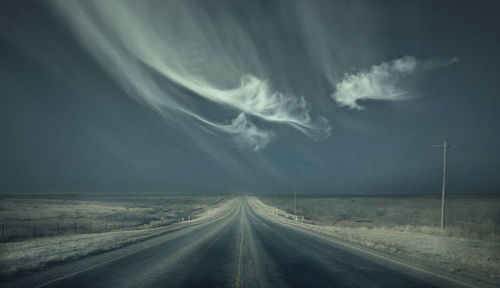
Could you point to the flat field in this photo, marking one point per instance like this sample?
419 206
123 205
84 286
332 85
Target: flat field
467 216
34 216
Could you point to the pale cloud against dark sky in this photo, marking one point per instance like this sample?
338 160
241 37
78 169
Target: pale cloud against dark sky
248 96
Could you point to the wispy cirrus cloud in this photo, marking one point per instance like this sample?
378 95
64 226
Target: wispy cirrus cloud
143 44
382 82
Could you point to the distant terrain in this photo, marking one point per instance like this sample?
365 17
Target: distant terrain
468 216
32 216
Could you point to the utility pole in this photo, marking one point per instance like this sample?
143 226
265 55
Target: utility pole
295 202
443 194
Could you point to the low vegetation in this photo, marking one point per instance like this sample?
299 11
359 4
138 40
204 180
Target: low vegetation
34 216
471 217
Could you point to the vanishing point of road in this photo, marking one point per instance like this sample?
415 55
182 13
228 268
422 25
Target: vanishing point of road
242 249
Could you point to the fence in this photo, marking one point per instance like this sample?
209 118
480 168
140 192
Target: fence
466 218
16 231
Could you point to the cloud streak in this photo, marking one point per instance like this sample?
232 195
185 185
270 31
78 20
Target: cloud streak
384 82
208 58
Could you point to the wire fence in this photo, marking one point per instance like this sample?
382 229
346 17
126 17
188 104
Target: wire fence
466 218
17 231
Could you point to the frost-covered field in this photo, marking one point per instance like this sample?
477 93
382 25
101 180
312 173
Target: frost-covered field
34 216
471 217
34 252
479 259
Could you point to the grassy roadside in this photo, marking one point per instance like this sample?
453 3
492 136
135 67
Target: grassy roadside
469 217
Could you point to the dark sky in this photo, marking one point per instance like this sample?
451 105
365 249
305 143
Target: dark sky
249 96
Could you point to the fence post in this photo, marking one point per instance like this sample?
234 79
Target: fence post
75 227
90 226
34 230
3 231
106 227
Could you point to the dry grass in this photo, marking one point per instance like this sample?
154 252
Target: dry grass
473 217
28 216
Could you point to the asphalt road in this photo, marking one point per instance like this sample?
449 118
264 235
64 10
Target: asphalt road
240 250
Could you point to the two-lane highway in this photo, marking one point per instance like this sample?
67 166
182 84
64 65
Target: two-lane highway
242 249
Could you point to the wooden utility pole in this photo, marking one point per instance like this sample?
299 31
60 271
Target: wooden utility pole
295 202
443 193
274 202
